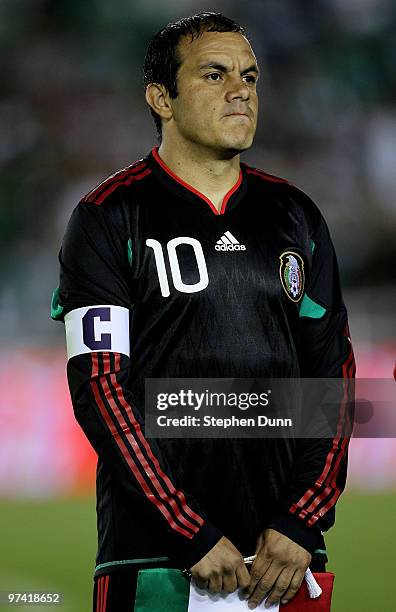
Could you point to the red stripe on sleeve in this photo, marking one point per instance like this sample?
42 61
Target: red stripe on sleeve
321 480
106 586
102 593
146 445
267 177
132 465
166 499
95 368
325 508
116 177
327 476
118 183
98 594
106 363
332 490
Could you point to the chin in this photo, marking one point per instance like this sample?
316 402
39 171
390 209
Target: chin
238 146
229 147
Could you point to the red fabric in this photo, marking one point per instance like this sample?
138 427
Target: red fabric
302 602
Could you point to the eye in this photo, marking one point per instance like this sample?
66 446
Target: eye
250 78
213 74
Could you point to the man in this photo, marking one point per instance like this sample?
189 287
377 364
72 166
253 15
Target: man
139 253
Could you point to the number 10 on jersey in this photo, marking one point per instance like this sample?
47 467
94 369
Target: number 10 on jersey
175 267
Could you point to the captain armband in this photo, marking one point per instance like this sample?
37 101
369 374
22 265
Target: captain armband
97 328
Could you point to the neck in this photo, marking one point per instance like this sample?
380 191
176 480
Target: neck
206 171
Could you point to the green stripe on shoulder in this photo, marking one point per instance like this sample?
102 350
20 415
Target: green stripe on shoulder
56 308
309 308
130 252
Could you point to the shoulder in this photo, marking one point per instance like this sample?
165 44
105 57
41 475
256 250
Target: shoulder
263 177
289 194
105 210
107 190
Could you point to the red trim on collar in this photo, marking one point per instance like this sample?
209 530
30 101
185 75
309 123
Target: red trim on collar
195 191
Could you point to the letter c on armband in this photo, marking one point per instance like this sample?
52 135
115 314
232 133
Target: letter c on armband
97 328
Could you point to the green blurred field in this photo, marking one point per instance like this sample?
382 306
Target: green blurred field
50 546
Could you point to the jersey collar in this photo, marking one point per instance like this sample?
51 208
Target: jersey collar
174 181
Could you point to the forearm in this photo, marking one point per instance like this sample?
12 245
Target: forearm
105 410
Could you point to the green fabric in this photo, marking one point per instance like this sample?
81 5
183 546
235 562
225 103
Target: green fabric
130 252
322 551
56 308
309 308
131 562
162 590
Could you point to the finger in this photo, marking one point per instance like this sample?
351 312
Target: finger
230 582
295 584
259 567
215 583
201 581
280 587
243 576
264 586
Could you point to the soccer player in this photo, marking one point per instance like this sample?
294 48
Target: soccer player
190 263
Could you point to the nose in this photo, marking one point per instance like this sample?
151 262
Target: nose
237 89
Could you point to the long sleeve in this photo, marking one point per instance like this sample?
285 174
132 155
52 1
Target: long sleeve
320 468
94 272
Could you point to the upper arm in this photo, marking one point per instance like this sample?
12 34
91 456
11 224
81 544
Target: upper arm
93 298
326 345
93 259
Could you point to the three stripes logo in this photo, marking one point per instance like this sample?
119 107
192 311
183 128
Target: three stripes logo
228 242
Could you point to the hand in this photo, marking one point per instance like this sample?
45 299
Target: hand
222 568
278 568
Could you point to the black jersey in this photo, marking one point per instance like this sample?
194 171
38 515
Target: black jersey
250 290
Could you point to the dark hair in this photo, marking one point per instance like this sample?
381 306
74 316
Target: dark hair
162 60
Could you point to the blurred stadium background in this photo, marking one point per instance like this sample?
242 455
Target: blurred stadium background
71 112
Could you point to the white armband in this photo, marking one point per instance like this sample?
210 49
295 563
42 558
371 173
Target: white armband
97 328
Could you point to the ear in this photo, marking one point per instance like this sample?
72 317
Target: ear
158 98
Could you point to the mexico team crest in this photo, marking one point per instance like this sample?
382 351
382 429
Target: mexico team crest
291 272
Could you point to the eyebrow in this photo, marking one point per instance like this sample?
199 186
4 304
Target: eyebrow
216 66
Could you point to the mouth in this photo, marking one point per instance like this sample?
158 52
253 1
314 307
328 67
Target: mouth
237 115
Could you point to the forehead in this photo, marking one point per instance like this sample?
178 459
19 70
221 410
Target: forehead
215 45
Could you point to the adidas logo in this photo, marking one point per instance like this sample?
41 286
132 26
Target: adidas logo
228 242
